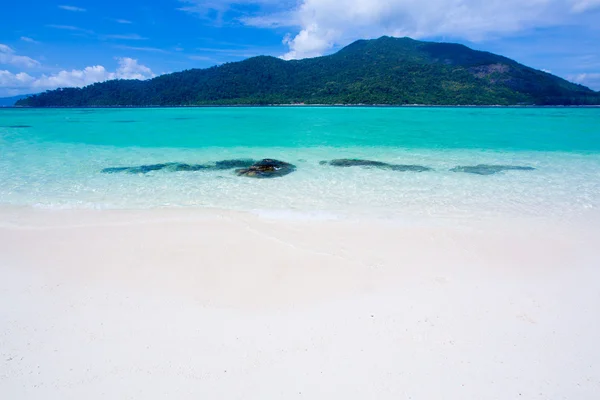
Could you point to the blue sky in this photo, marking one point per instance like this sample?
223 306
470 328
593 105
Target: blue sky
46 44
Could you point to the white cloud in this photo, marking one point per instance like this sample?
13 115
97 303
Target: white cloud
200 58
203 7
70 28
10 80
325 24
580 6
122 21
29 40
310 42
9 57
237 10
145 49
128 36
72 8
591 80
130 69
22 82
273 20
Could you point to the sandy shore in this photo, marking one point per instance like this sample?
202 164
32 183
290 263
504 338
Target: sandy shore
185 304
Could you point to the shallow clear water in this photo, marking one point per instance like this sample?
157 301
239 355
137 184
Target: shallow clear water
53 158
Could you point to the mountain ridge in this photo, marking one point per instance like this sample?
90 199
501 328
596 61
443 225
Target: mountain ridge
384 71
11 100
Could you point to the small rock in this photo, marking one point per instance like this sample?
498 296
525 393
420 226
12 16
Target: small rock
267 168
345 162
484 169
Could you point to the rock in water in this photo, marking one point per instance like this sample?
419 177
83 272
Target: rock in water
409 168
142 169
267 168
236 163
483 169
114 170
345 162
180 167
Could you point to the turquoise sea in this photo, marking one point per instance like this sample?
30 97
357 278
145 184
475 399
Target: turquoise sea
52 158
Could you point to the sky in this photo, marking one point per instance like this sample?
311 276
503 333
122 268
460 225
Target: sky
46 44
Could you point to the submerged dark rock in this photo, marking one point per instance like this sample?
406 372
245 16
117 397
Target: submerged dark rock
346 162
19 126
114 170
181 167
267 168
142 169
409 168
483 169
235 163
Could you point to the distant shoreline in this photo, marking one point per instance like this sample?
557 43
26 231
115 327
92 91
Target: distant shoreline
312 106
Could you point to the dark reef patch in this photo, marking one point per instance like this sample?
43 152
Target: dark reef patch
347 162
142 169
232 164
267 168
115 170
409 168
181 167
18 126
484 169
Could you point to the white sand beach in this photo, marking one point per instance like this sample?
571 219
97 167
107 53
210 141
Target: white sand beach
192 304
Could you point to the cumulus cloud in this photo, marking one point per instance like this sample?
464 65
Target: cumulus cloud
10 80
128 68
591 80
9 57
324 24
72 8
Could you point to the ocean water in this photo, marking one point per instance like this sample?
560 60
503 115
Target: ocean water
52 158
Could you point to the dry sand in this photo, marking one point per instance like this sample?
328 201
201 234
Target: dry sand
184 304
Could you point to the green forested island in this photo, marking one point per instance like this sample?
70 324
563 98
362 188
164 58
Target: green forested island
391 71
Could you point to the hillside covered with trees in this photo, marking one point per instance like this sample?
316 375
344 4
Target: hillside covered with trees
394 71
